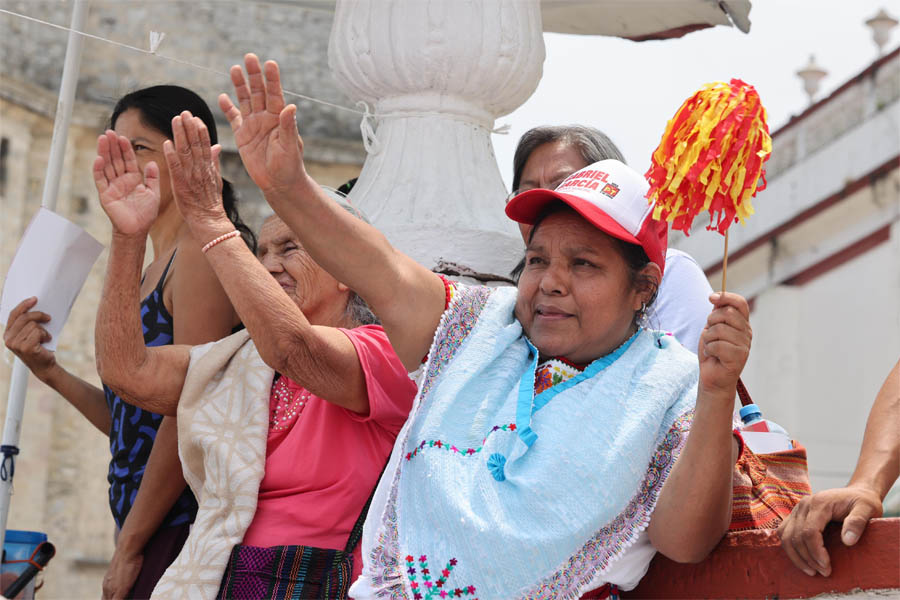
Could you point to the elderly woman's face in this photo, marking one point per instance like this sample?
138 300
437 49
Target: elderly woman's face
309 286
546 167
576 298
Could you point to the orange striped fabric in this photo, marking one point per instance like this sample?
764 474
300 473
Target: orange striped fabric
766 487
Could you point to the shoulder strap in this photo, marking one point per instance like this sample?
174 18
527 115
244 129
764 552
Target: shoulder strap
743 394
356 532
162 280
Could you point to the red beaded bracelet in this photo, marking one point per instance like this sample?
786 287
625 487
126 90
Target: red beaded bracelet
221 238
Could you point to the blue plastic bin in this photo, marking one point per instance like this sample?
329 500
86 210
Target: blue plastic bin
19 545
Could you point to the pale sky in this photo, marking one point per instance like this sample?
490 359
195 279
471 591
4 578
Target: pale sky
629 90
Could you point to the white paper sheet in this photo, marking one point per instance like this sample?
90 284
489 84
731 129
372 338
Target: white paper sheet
53 260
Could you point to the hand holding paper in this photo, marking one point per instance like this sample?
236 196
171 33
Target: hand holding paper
129 198
25 336
51 263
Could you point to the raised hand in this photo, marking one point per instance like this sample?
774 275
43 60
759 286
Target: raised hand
25 334
129 198
724 344
194 171
265 129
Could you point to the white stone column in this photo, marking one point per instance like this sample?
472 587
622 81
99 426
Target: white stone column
438 73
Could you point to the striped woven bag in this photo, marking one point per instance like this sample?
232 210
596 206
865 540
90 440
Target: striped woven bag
766 487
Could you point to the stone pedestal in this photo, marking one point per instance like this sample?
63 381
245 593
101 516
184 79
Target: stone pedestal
437 74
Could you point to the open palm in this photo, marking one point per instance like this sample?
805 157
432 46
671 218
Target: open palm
129 198
264 127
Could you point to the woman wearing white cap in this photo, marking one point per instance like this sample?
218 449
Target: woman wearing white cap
493 489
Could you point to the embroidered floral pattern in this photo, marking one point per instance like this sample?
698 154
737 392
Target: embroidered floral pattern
456 324
389 573
387 577
449 293
611 541
428 589
444 445
548 374
552 372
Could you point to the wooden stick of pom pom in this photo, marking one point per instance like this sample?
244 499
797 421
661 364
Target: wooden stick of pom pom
725 262
710 159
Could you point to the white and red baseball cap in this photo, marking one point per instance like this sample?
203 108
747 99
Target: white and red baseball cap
612 197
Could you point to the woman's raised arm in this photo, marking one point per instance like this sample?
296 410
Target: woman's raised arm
321 359
150 378
407 297
694 507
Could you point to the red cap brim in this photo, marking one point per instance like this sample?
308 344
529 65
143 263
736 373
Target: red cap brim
527 206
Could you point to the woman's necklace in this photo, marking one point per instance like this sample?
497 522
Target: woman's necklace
288 405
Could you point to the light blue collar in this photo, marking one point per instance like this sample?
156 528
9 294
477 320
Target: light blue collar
528 403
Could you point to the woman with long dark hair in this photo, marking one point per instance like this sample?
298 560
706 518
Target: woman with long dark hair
182 303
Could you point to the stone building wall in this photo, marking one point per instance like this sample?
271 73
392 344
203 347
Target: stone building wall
213 34
60 487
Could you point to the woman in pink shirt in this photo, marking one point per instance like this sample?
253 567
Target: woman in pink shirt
323 459
336 403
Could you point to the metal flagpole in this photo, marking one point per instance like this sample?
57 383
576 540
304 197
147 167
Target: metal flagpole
15 404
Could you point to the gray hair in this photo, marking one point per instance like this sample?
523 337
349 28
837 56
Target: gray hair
592 144
357 311
344 202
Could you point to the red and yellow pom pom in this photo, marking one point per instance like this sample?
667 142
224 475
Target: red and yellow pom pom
710 157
